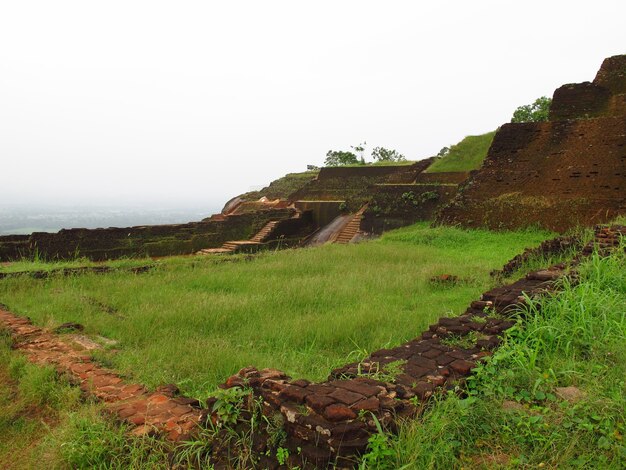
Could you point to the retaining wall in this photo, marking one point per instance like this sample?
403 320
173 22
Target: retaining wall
152 240
394 206
559 174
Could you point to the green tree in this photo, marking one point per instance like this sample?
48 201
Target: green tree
340 158
381 154
536 112
360 149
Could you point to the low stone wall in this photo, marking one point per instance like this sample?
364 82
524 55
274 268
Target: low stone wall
155 240
553 247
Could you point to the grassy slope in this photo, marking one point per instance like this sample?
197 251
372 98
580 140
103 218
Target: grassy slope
194 322
514 416
467 155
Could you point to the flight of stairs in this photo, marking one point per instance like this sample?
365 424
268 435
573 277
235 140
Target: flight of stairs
265 232
238 245
352 228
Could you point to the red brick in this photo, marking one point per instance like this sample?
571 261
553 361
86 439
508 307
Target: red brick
357 387
345 396
293 393
369 404
462 367
338 413
319 402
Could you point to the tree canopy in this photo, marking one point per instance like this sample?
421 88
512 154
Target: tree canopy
340 158
381 154
536 112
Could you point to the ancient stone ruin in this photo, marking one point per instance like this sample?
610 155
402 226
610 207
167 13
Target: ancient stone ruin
335 205
558 174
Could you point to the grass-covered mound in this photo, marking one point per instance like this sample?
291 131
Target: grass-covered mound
467 155
553 396
195 321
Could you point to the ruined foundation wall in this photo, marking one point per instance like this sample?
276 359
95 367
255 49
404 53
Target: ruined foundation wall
155 240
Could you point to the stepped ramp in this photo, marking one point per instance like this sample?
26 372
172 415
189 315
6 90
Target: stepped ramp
349 231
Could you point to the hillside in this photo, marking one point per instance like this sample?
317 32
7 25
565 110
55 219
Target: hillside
467 155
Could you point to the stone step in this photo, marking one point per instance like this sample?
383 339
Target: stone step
214 251
264 232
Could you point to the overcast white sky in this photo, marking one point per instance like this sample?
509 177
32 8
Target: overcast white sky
196 101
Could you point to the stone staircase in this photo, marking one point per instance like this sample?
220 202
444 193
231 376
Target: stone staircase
352 228
252 244
265 232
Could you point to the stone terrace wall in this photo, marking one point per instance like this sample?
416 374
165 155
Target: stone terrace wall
154 240
372 171
398 205
352 184
557 174
579 100
447 177
553 174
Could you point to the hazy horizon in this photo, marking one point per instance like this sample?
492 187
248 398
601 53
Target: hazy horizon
153 103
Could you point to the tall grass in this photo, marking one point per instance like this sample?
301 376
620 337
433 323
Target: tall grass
194 322
36 263
514 414
45 423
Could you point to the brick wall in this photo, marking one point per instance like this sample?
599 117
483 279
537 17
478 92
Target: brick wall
394 206
558 174
152 240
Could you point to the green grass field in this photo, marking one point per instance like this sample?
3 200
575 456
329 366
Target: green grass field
467 155
194 321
